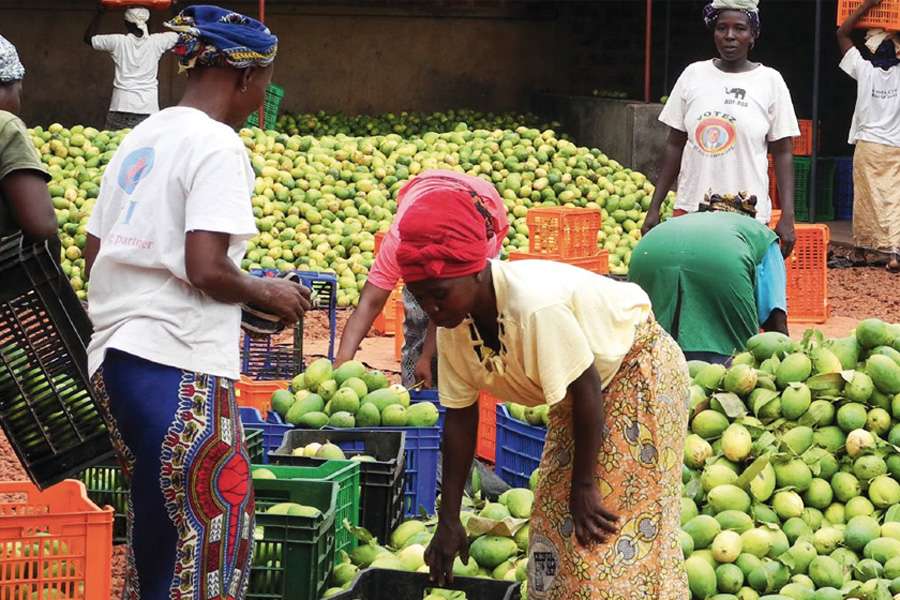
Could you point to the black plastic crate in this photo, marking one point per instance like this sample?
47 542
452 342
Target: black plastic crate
262 358
385 584
381 503
48 408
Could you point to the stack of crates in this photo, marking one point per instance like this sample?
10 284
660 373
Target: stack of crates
566 235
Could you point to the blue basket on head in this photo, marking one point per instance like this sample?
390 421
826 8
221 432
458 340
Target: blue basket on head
519 448
843 188
262 358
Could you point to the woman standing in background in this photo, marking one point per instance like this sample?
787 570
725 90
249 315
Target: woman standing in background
875 130
724 115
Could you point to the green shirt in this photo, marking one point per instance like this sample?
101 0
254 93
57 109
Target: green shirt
17 153
700 273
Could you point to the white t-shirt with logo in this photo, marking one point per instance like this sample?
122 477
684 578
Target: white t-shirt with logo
135 85
729 119
877 115
178 171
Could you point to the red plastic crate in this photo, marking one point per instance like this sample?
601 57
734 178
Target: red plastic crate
386 321
564 232
807 275
884 16
485 447
803 143
54 543
773 182
258 394
598 264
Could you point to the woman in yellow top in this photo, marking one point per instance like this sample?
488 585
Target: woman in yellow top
607 506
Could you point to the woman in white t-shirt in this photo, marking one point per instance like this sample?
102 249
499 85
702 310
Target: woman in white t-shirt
166 236
875 130
724 116
136 55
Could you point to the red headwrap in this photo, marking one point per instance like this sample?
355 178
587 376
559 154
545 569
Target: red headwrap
443 235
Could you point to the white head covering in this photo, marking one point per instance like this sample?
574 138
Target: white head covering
11 68
875 37
138 16
751 5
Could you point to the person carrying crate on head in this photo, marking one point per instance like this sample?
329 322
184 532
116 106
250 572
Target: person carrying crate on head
418 361
25 204
166 238
607 504
714 277
875 131
136 54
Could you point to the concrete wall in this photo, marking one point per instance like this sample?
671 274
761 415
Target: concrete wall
377 57
626 131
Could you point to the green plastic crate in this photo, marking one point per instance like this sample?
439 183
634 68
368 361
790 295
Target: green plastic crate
293 555
106 486
825 173
271 106
254 439
346 475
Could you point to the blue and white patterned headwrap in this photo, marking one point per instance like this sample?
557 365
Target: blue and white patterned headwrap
214 37
11 68
712 11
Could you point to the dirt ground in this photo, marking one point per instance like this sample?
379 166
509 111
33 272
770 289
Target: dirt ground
854 294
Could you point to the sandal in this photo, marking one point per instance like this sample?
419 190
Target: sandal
857 257
893 265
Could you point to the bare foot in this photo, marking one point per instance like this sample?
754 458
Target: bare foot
894 264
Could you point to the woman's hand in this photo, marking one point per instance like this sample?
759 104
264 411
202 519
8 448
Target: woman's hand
423 371
787 235
593 523
285 298
651 220
449 539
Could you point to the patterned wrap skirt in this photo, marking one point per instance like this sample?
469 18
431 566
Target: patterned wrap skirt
639 476
191 506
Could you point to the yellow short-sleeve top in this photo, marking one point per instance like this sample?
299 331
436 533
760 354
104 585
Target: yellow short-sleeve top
555 321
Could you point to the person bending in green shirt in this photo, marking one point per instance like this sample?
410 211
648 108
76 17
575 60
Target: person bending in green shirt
714 279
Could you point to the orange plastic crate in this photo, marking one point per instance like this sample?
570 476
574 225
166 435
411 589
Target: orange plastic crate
564 232
598 264
485 447
379 239
399 316
776 216
884 16
54 543
386 321
258 394
773 182
151 4
807 275
803 144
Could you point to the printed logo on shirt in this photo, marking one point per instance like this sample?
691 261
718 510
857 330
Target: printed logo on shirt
135 167
738 96
715 134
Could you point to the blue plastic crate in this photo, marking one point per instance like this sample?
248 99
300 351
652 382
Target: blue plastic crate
843 188
519 448
421 456
262 359
429 396
273 429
